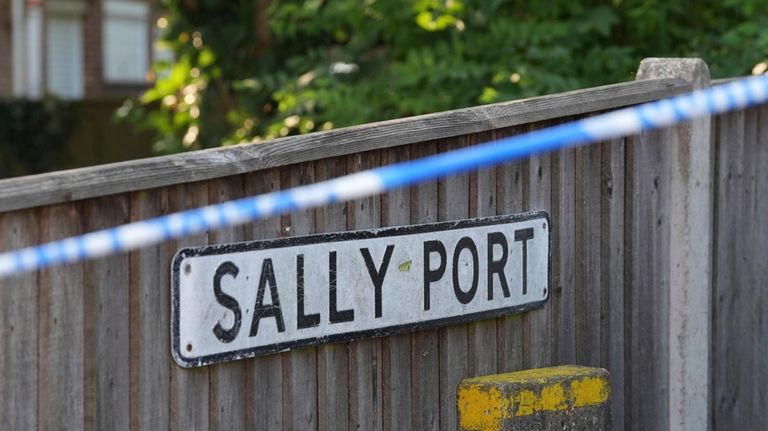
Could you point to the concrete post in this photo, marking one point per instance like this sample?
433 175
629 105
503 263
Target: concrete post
689 169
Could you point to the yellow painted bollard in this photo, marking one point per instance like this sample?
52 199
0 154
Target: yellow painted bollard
567 397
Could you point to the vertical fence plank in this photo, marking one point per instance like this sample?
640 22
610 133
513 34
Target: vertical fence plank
588 240
482 334
299 366
564 256
227 380
332 359
538 333
424 348
510 201
649 289
264 382
107 330
61 378
396 349
189 387
731 366
759 269
365 361
454 197
150 312
613 277
18 333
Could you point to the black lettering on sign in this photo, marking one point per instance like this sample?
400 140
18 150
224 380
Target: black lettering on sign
496 266
336 316
524 235
303 321
260 310
377 275
465 243
226 335
430 275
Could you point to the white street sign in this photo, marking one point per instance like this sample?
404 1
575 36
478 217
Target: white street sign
246 299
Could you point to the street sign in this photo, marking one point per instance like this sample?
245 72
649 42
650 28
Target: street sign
241 300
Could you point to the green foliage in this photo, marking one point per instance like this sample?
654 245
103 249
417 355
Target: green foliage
247 70
33 135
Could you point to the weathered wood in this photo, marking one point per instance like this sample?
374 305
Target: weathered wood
264 381
589 228
732 364
365 357
189 387
107 320
19 328
396 350
647 403
46 189
299 366
61 344
613 274
538 333
481 335
759 270
454 197
510 201
425 388
332 359
150 338
565 260
227 381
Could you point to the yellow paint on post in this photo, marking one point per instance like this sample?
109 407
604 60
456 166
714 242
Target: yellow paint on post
482 407
485 403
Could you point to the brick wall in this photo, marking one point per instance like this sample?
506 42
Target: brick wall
95 87
5 48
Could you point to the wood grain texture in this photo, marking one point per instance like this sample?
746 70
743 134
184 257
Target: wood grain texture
564 256
299 366
19 328
481 335
61 345
150 320
509 200
76 184
425 395
454 203
759 349
538 331
589 227
264 375
332 359
647 403
738 320
189 400
613 274
227 380
107 323
396 350
365 356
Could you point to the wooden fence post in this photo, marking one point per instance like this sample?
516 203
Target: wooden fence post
687 158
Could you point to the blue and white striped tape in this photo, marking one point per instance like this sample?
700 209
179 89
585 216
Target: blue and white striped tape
723 98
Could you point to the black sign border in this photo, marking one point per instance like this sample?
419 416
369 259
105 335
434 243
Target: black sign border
237 247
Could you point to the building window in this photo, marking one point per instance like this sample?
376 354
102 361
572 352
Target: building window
64 49
125 41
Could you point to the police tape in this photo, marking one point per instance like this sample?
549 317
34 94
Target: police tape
722 98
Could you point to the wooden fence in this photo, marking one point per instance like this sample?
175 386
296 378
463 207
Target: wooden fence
87 345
